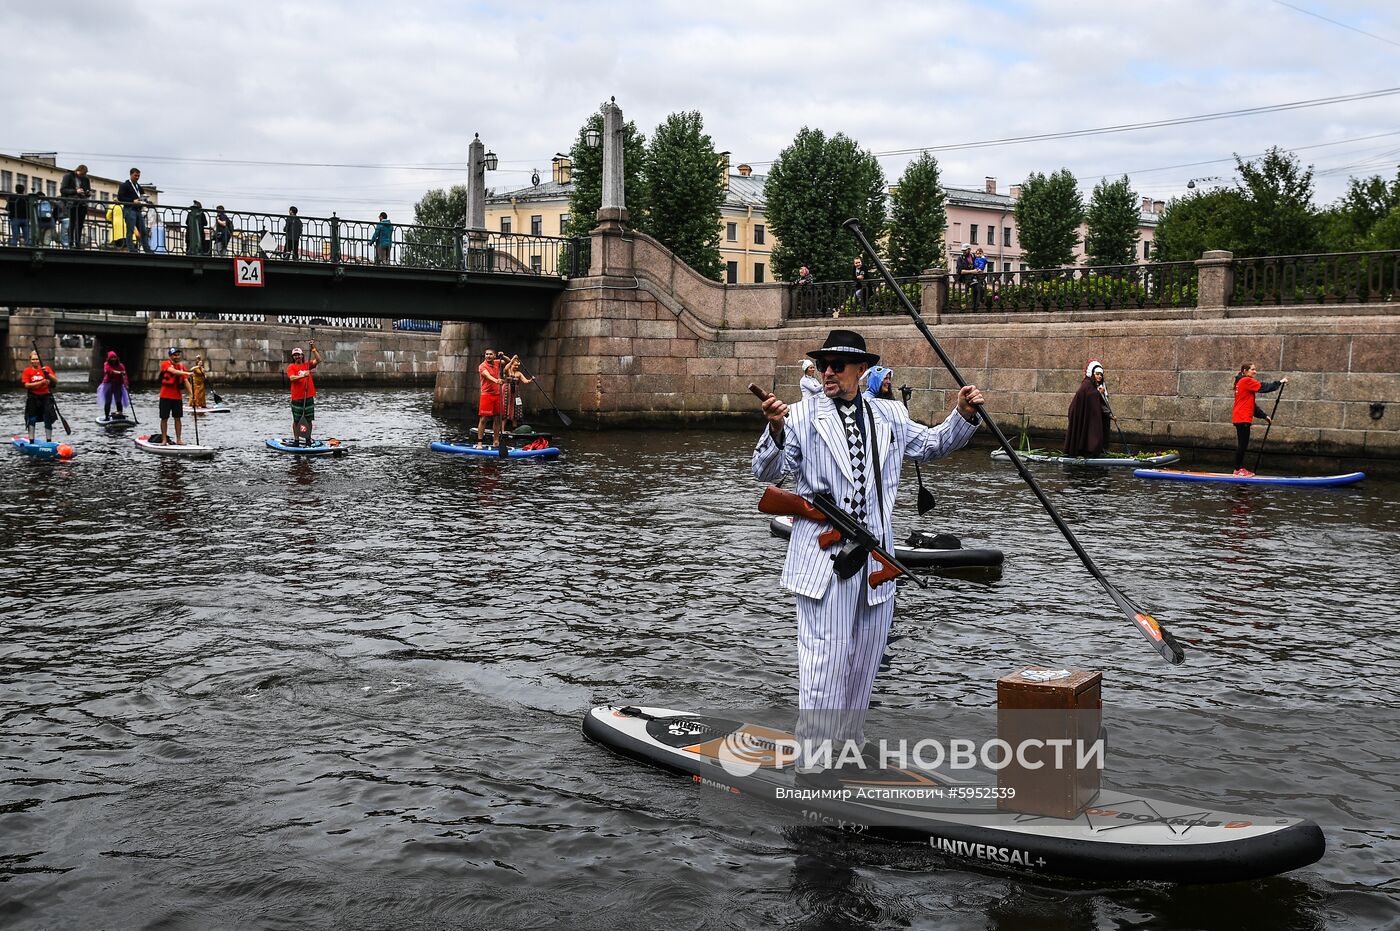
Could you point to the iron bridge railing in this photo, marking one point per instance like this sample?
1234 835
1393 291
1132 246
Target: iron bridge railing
846 299
1083 288
1336 278
171 230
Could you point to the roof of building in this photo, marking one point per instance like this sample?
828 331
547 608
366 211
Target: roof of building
743 192
972 197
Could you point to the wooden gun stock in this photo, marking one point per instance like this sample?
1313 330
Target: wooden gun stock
777 501
827 537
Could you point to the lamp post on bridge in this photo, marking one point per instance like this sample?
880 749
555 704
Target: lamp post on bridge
479 161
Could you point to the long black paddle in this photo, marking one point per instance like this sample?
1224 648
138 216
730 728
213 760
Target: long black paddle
1146 624
1266 429
926 501
1113 417
66 429
563 417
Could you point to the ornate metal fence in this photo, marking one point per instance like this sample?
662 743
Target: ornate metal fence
1098 287
846 299
170 230
1337 278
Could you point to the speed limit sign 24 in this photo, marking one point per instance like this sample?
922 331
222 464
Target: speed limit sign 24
248 273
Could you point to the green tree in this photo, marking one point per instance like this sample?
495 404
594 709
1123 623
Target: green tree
445 211
918 217
1385 233
1048 214
815 185
1278 217
1347 225
587 177
1113 219
684 191
1198 222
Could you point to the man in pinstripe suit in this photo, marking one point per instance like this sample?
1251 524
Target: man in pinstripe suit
853 449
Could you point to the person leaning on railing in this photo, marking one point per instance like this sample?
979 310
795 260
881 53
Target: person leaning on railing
76 189
382 239
223 230
17 204
133 203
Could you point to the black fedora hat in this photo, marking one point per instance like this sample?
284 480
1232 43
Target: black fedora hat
845 343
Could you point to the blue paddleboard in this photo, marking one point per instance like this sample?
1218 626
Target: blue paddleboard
317 448
39 448
548 452
1346 478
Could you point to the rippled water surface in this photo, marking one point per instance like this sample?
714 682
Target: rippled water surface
269 692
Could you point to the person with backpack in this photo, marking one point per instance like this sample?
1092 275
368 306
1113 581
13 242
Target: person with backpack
196 229
46 219
223 231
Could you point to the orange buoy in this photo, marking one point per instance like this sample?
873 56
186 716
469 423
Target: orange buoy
65 451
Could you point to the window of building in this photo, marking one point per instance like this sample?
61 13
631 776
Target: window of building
563 224
972 233
505 224
1005 236
536 264
1023 266
957 232
22 179
6 179
103 196
1006 266
991 235
52 188
1147 249
731 232
731 271
758 271
759 234
537 225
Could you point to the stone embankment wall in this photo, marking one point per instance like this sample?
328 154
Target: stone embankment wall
645 339
258 353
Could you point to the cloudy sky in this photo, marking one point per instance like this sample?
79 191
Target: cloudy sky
356 107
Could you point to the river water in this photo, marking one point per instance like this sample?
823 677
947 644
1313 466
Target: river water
269 692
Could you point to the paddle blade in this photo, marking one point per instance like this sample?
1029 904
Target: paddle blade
69 430
926 501
1150 628
564 418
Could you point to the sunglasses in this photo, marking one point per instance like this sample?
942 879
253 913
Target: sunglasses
836 365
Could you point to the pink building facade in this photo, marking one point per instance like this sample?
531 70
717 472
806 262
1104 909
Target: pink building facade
986 220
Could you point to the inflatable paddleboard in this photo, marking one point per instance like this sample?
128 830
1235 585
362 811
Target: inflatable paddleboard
548 452
317 447
1346 478
1123 836
1054 455
183 450
219 409
41 449
116 423
915 554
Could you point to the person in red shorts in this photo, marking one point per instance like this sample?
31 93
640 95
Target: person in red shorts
173 376
490 406
303 394
1246 409
39 381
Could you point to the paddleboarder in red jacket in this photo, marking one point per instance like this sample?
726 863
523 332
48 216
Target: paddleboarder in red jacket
1247 388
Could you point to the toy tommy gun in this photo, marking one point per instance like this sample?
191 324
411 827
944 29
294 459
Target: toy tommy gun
857 543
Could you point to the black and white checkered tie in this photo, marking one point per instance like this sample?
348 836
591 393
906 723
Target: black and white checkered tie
856 442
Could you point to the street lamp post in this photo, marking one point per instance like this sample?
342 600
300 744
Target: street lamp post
479 161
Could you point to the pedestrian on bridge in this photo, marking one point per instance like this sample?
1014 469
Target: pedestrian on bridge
382 239
18 206
291 233
133 202
223 230
196 230
76 190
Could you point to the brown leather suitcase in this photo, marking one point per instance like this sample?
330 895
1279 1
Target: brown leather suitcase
1043 707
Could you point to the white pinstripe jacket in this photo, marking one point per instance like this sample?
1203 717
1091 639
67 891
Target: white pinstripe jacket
815 449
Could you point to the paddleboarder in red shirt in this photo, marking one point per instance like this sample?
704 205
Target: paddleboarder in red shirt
173 376
1246 410
490 406
303 394
39 381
